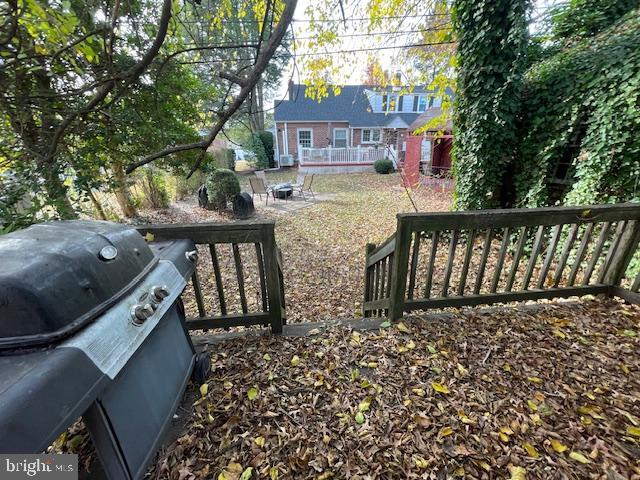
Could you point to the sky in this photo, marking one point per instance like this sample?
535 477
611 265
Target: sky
352 66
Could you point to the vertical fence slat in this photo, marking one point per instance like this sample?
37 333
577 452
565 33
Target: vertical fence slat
383 275
263 285
549 257
435 238
389 280
535 251
367 277
216 272
613 247
624 253
483 261
198 292
467 260
501 255
636 283
516 258
240 275
595 256
414 264
582 250
376 281
450 259
566 250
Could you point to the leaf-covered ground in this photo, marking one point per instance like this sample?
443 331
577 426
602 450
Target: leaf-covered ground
323 246
547 393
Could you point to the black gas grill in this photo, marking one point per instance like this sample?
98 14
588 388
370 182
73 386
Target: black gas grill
91 324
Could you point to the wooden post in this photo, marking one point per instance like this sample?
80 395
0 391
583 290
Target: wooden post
273 278
367 278
399 268
622 256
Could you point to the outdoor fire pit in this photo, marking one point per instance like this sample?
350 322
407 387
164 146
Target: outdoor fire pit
282 191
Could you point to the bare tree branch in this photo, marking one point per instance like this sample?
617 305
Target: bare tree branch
233 78
252 78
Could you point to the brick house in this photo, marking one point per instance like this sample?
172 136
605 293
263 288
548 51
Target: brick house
360 117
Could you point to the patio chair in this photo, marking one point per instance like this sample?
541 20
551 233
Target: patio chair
262 176
259 187
303 184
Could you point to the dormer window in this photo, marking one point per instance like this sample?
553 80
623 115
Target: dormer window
390 102
420 103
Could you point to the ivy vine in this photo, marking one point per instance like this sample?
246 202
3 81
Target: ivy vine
493 38
582 107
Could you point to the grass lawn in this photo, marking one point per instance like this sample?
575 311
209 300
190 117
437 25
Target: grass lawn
323 245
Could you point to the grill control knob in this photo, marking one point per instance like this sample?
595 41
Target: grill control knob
192 256
159 293
140 313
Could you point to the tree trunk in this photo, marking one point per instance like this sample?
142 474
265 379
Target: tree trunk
123 197
97 205
256 117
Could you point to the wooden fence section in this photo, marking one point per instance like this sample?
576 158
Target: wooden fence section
478 257
211 238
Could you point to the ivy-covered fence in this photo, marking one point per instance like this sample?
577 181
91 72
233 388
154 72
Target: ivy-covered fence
551 120
580 140
492 36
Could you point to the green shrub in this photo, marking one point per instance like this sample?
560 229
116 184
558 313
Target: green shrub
384 166
266 138
257 147
222 186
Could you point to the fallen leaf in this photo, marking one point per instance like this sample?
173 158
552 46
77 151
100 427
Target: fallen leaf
259 441
558 446
295 360
518 473
360 418
635 431
402 327
252 393
440 388
246 475
577 456
531 450
445 432
204 388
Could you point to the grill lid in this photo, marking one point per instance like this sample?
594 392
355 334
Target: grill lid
56 277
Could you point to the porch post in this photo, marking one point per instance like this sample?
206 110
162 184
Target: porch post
285 140
276 156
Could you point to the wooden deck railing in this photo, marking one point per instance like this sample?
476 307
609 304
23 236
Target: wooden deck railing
261 271
470 258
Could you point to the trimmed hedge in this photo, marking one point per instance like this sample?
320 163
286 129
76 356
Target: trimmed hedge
383 166
222 186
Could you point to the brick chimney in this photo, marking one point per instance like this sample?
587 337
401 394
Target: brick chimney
291 87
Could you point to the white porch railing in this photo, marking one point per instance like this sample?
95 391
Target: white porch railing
344 156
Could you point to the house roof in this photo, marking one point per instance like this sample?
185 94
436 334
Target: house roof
429 115
352 105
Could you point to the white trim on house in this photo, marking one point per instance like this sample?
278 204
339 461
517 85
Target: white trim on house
298 130
277 149
346 137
